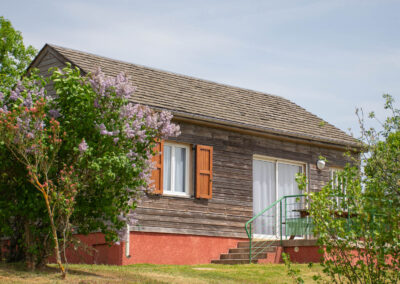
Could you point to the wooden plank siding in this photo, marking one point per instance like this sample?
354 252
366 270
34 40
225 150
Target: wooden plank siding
46 62
231 204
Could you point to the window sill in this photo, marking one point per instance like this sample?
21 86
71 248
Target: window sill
172 194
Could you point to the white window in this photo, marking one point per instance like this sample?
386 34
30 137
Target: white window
176 169
338 184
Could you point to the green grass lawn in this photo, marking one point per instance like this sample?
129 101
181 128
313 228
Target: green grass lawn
149 273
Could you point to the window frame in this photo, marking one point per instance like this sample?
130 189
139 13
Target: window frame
173 146
304 170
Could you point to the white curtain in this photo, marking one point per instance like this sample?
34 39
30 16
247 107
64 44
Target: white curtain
180 161
167 168
263 195
287 184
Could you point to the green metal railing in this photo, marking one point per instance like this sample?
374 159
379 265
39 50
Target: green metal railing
294 225
293 218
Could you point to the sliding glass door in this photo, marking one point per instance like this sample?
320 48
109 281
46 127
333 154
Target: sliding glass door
272 179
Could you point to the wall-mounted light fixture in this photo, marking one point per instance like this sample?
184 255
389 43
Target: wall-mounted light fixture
320 164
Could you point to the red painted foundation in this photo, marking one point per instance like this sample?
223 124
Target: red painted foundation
94 250
303 254
155 248
159 248
163 248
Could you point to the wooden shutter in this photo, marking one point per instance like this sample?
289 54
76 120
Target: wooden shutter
157 174
204 155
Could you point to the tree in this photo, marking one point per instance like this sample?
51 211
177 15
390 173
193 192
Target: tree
86 153
356 216
120 137
14 56
18 209
88 150
33 137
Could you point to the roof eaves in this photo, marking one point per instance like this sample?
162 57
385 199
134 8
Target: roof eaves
192 116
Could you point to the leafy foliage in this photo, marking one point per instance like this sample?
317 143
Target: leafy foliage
292 272
14 56
356 216
20 213
87 150
34 140
118 137
21 216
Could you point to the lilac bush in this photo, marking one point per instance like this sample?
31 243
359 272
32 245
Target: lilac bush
34 139
88 149
116 138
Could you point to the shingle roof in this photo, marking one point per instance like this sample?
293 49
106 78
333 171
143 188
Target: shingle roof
206 100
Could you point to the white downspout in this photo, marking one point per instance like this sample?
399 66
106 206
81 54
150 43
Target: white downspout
127 242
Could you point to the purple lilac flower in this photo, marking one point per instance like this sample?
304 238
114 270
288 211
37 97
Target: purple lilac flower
166 127
19 87
122 87
54 113
83 146
136 120
28 102
131 154
104 131
39 125
151 121
30 135
14 96
41 93
104 86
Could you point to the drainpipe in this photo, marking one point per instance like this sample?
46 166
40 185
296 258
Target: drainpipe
127 242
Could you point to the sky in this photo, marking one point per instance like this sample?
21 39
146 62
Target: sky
329 57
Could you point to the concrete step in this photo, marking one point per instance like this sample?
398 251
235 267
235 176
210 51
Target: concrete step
232 261
262 252
254 249
244 256
258 244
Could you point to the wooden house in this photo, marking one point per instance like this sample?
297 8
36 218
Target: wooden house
238 152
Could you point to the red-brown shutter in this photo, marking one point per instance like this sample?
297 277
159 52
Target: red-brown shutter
204 155
157 174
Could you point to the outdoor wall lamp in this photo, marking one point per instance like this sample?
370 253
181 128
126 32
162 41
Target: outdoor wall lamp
320 164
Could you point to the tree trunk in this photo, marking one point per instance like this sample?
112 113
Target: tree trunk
54 232
15 251
29 257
